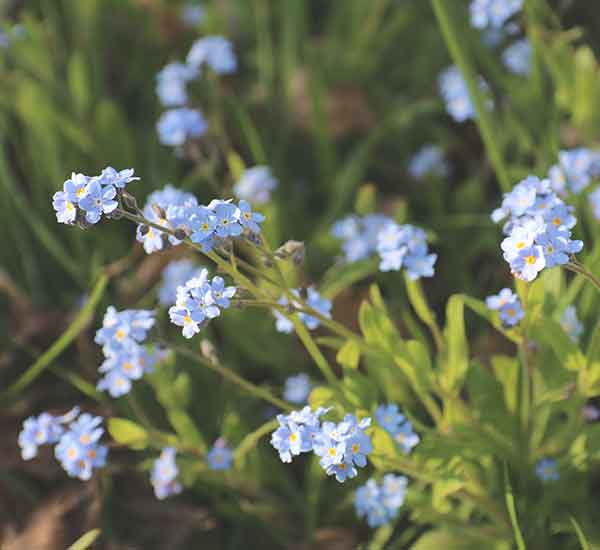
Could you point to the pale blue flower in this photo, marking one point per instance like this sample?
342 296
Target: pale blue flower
176 126
220 456
164 474
571 324
505 296
547 470
517 57
98 200
176 274
429 160
511 313
256 185
214 51
493 13
297 388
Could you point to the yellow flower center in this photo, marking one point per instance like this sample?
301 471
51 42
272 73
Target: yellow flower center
127 366
355 448
70 206
520 245
332 451
85 439
531 260
557 221
293 437
120 335
80 192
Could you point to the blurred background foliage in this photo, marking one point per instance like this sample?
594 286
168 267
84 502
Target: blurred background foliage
336 96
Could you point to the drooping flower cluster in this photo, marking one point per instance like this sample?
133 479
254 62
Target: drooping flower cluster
405 246
77 446
220 456
547 469
255 185
398 426
456 94
429 160
493 13
313 300
164 474
571 324
198 301
341 447
517 57
538 230
297 389
507 303
126 358
380 502
181 123
84 199
575 170
176 274
205 225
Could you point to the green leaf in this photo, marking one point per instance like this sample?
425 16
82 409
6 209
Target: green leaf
585 545
349 355
128 433
512 510
250 442
506 370
552 335
360 391
321 396
457 359
85 542
385 449
186 429
418 301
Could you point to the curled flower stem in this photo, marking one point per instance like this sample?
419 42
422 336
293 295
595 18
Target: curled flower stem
249 387
579 268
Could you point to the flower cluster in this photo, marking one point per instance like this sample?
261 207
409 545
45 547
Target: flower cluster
341 447
380 502
429 160
164 474
176 274
359 235
547 469
77 446
198 301
207 226
297 388
255 185
571 324
313 300
180 123
575 170
456 94
126 359
84 199
507 303
220 456
396 424
493 13
405 246
538 233
517 57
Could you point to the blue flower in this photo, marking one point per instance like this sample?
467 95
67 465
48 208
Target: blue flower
517 57
124 330
554 244
249 219
174 275
118 179
493 13
315 301
511 313
66 211
171 84
390 418
571 324
297 388
219 294
528 263
76 187
429 160
214 51
220 456
456 95
359 235
297 432
547 469
44 429
98 200
406 437
78 450
192 14
594 198
420 266
176 126
228 224
505 296
255 185
164 474
203 225
380 503
575 170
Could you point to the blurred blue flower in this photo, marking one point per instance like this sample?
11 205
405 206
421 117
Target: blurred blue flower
192 14
171 84
428 161
571 324
511 313
256 185
517 57
44 429
214 51
547 469
594 198
505 296
493 13
456 95
297 388
575 170
176 126
390 418
220 456
175 274
380 503
164 474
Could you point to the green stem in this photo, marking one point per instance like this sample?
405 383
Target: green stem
455 44
249 387
577 267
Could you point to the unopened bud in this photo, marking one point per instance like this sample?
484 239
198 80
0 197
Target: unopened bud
292 249
129 200
209 352
144 230
159 211
180 234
